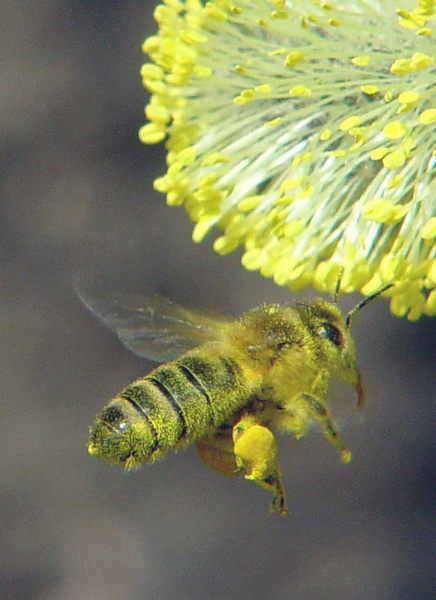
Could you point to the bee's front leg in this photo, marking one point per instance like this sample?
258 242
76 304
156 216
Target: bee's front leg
256 455
315 403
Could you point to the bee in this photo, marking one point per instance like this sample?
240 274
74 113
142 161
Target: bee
224 384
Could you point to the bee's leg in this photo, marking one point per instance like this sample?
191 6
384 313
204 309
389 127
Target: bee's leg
256 455
216 451
319 411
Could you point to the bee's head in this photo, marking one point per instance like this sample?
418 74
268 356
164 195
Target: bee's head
331 341
331 334
120 437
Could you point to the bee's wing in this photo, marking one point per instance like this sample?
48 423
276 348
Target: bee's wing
153 327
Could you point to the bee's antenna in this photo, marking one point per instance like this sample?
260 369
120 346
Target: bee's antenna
364 302
338 285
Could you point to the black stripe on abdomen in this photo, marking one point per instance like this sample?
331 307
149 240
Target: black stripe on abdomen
217 372
171 399
200 389
128 395
190 376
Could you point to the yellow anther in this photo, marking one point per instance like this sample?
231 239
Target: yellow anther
273 122
428 116
428 232
300 90
265 88
394 160
361 61
409 97
394 130
293 58
249 203
151 133
349 122
369 90
325 134
202 228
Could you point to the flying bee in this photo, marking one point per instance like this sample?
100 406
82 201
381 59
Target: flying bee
224 384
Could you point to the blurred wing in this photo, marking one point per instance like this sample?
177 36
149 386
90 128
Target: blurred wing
153 327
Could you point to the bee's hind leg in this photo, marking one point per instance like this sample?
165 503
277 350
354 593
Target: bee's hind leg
256 455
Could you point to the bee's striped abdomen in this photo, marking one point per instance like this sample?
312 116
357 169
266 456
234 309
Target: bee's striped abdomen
194 387
157 405
173 405
218 378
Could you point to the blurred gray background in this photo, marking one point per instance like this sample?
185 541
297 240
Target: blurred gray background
77 196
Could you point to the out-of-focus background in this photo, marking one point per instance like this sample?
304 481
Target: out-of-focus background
77 197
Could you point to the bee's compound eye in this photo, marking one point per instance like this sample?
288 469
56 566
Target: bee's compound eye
331 333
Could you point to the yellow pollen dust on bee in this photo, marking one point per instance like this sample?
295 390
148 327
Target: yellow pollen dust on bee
225 385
